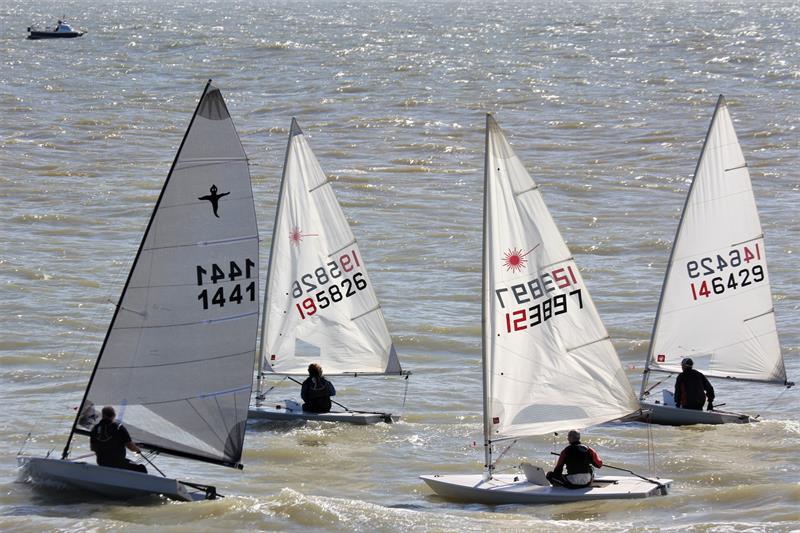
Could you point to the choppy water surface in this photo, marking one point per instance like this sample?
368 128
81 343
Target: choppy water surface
607 105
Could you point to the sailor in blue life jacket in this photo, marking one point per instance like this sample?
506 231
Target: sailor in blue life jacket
108 440
316 391
579 460
692 388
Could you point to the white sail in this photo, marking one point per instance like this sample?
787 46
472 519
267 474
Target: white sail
548 361
320 306
178 359
716 304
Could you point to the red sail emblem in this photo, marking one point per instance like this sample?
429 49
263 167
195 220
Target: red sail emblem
661 358
514 259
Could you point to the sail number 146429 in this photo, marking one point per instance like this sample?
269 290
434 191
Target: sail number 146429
733 270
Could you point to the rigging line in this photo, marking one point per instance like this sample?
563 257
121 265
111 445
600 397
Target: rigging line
759 316
348 245
365 313
647 392
143 456
182 324
187 165
213 430
496 461
649 451
774 401
560 261
263 395
225 422
606 338
405 395
744 165
748 240
24 443
523 191
111 288
653 481
201 396
177 363
326 182
201 243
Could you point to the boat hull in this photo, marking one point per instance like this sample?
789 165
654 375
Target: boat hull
113 483
511 489
53 34
291 412
655 413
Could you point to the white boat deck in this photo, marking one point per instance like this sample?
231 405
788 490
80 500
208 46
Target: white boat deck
291 411
656 413
515 489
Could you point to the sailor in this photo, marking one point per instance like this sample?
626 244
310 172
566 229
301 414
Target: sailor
316 391
108 440
579 460
692 388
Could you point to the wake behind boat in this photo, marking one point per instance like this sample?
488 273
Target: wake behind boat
716 305
177 360
548 362
320 305
62 30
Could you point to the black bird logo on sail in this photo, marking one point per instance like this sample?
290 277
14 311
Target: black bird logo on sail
214 198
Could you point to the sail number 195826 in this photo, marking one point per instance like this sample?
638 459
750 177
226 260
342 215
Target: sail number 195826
227 293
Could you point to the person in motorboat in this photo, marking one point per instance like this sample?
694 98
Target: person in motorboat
579 460
108 440
692 388
316 391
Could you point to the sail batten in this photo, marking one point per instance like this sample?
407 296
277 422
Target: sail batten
712 287
320 306
178 357
548 361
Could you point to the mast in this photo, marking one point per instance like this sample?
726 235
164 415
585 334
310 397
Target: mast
487 423
65 453
646 372
293 130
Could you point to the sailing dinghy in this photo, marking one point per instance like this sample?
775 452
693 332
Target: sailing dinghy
177 360
548 362
716 303
320 305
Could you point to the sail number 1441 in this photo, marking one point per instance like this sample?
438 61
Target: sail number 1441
223 294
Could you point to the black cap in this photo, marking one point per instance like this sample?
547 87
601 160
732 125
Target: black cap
687 361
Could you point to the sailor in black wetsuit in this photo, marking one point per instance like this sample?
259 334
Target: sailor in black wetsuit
108 440
692 388
579 460
316 391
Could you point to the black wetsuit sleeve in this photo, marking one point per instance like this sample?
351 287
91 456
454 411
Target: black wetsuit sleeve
304 390
123 435
709 389
678 384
